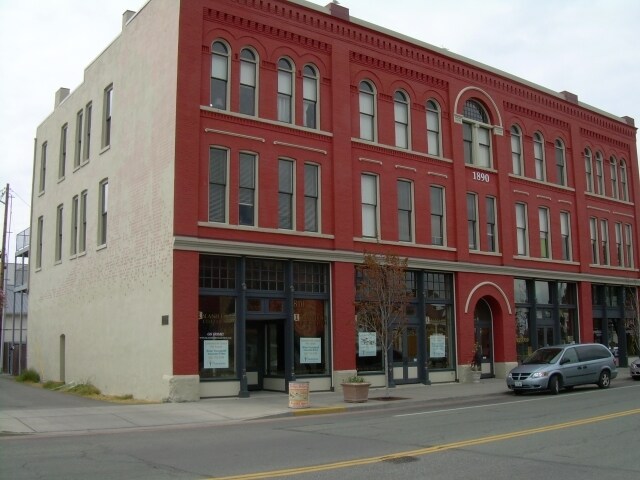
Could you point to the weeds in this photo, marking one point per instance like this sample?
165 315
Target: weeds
29 375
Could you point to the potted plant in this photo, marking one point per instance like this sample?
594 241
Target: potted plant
355 389
476 363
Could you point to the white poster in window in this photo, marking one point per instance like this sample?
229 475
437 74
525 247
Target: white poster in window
216 354
437 346
367 344
310 350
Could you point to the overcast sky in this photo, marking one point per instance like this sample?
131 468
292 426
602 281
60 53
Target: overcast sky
588 47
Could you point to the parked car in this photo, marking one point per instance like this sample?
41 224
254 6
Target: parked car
564 366
634 369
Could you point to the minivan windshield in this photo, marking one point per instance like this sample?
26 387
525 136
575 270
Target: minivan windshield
542 356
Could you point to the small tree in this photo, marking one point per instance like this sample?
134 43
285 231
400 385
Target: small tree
632 313
381 302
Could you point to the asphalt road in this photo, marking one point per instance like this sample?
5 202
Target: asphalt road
585 434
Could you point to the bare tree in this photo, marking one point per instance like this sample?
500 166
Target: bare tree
381 303
632 311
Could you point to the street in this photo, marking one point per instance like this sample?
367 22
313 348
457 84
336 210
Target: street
588 433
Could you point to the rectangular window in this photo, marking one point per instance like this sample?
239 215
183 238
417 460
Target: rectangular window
405 211
309 97
77 155
593 235
102 213
62 164
311 197
565 234
39 242
247 189
437 215
107 110
82 237
521 229
472 220
369 187
492 241
75 204
538 155
433 128
43 167
467 141
613 168
59 213
545 243
285 194
87 132
218 165
604 241
619 249
628 245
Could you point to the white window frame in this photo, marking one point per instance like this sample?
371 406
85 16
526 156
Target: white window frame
624 181
247 188
491 222
86 147
628 243
539 157
516 151
561 163
82 239
286 91
522 236
434 128
565 235
107 113
405 208
220 73
613 169
367 100
438 217
545 232
369 205
58 241
287 195
594 239
310 96
103 212
218 185
62 162
604 241
73 239
619 243
402 116
248 80
312 197
600 174
43 168
588 167
473 233
473 131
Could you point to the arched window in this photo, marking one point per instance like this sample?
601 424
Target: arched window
561 163
476 135
248 81
219 75
285 91
310 96
613 168
588 168
624 186
367 105
516 150
538 156
434 139
599 174
401 117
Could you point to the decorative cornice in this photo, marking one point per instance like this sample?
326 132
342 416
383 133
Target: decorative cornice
605 139
534 115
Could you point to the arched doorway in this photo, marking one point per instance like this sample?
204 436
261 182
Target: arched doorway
483 326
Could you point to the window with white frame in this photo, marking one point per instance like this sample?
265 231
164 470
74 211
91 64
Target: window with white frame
285 194
405 211
436 194
62 162
538 157
521 230
434 138
588 168
367 106
43 167
516 150
619 245
472 220
58 242
220 65
604 241
599 174
624 186
476 133
82 239
545 240
107 111
39 234
103 212
310 89
248 81
565 235
401 117
491 220
77 155
613 168
369 195
73 238
311 197
628 245
285 91
593 235
218 181
561 163
247 188
86 148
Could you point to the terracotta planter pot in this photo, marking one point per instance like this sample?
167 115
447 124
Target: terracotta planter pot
355 392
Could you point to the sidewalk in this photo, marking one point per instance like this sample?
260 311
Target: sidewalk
218 411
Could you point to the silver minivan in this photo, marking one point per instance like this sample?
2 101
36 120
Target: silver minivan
564 366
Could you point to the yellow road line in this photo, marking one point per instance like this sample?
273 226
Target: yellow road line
427 450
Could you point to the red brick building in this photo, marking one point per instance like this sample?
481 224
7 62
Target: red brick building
304 137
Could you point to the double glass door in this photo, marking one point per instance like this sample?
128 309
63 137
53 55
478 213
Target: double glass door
264 352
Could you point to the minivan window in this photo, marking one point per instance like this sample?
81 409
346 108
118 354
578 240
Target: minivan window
570 356
592 352
542 356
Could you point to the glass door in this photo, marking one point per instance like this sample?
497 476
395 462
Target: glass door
405 356
483 323
545 336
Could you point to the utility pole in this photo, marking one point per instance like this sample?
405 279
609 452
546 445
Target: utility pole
2 267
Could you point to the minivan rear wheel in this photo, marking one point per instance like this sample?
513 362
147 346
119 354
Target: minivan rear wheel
605 379
554 385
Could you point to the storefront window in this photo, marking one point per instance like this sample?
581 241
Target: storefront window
216 326
568 325
520 290
523 341
311 346
368 352
543 293
439 320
